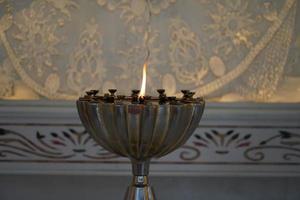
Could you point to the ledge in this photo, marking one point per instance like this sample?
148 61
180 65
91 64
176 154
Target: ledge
235 139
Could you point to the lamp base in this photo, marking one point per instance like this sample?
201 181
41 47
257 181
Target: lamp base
140 189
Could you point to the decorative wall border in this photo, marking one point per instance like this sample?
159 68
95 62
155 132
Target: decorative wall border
232 139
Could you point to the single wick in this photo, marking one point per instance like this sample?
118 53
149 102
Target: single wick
112 92
135 96
141 99
162 96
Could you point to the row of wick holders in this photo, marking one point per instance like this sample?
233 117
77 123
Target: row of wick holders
135 98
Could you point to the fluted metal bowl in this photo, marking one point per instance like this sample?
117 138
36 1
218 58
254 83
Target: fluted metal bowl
140 132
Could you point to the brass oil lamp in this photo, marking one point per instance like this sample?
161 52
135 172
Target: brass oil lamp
140 127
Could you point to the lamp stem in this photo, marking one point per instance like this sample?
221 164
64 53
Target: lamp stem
140 188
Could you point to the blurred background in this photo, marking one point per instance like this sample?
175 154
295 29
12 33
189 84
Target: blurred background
231 50
246 52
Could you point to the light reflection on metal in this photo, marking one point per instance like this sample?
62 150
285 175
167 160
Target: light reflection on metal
140 130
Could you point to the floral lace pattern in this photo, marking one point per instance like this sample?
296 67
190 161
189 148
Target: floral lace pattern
232 27
186 53
37 40
225 49
86 69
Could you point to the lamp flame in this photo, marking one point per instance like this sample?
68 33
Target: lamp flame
143 88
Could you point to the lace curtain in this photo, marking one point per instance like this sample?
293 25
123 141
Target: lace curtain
225 50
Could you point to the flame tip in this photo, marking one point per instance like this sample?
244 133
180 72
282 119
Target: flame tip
143 87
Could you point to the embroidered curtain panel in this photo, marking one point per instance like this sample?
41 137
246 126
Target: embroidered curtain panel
225 50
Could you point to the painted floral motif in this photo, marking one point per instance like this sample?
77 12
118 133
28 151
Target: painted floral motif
67 144
213 146
286 142
283 146
222 142
232 26
86 69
